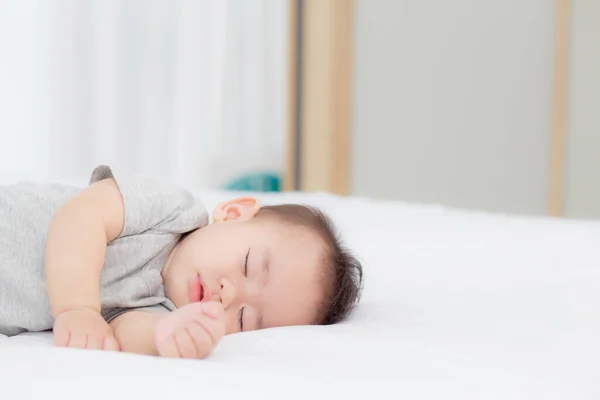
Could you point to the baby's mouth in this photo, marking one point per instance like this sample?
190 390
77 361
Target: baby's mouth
196 290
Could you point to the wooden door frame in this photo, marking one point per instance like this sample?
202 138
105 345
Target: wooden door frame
556 196
319 137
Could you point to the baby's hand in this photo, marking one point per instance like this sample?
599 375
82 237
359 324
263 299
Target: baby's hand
84 329
192 331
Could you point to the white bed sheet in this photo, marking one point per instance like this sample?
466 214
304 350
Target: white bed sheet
457 305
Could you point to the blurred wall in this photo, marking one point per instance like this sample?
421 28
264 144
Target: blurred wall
452 103
583 147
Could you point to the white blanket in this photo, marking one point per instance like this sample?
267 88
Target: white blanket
457 305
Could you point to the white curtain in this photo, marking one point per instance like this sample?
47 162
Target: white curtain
190 90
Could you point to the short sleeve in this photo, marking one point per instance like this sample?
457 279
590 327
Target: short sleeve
150 204
113 313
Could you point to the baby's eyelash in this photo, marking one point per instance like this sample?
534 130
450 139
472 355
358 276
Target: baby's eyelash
241 317
240 320
246 263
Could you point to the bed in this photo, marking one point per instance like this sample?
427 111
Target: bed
457 305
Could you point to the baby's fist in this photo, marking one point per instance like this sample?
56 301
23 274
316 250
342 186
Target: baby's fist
192 331
83 329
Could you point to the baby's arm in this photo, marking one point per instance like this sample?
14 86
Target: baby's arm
189 332
135 331
75 254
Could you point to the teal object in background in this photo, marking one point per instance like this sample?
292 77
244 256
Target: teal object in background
256 182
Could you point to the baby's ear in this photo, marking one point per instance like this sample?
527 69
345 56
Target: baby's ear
240 209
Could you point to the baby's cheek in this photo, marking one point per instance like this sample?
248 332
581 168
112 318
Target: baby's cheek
230 319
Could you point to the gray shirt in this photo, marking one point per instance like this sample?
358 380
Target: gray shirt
156 214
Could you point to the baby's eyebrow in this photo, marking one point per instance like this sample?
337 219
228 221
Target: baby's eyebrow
266 264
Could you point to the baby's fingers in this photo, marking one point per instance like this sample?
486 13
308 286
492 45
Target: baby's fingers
168 348
61 337
78 340
202 339
185 343
213 309
203 326
94 342
111 344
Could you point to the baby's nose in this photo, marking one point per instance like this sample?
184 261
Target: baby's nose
227 293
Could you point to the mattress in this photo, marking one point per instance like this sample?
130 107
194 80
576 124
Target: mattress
457 305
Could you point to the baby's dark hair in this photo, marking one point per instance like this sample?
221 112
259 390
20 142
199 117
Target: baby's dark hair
343 273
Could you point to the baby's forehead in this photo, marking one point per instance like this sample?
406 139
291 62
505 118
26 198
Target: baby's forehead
301 251
293 238
297 234
289 225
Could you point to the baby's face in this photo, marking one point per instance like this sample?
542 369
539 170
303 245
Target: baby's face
265 273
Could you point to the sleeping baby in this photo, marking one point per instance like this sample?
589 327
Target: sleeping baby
132 264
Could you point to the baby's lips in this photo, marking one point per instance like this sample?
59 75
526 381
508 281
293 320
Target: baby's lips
213 309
